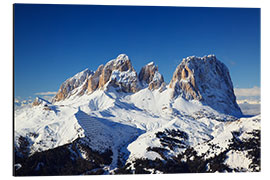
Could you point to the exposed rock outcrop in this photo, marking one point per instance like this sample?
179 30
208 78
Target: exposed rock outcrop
93 81
72 83
120 74
205 79
208 80
117 73
150 76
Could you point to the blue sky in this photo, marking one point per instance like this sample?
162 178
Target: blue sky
54 42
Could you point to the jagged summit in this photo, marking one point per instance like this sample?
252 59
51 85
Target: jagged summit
121 63
120 74
205 79
81 75
72 83
149 76
121 58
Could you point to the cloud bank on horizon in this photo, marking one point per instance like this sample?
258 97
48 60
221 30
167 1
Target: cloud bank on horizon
46 93
247 92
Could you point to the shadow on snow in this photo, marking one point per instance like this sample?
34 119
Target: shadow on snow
121 134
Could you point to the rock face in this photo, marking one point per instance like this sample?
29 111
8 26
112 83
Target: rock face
205 79
120 74
150 76
208 80
93 81
117 73
72 83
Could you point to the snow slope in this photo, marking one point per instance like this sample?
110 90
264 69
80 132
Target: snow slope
238 132
125 123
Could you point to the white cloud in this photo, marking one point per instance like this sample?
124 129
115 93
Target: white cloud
46 93
255 91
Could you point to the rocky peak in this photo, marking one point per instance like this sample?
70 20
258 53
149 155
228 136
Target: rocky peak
205 79
150 76
121 63
119 73
72 83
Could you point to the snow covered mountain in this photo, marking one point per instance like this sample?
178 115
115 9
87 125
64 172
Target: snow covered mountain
149 76
72 85
208 80
115 121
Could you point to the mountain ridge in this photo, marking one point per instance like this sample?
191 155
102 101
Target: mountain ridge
205 79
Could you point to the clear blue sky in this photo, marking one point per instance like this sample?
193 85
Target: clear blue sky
54 42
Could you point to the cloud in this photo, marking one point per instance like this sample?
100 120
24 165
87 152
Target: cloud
255 91
46 93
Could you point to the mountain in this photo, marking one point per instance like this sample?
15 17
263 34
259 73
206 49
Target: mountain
70 86
113 121
204 79
149 76
120 74
208 80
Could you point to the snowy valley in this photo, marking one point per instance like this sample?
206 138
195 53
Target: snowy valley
115 121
